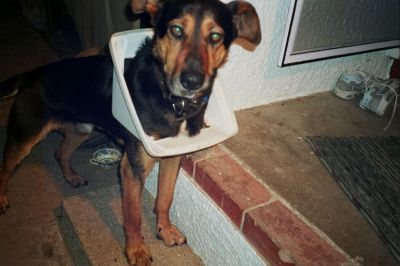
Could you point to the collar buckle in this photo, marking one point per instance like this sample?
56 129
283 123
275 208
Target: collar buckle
178 106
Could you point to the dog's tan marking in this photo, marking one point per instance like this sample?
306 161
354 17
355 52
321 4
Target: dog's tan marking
216 54
173 52
20 150
13 155
188 23
136 251
73 138
166 185
132 187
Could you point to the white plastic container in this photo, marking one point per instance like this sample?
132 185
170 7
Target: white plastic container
219 116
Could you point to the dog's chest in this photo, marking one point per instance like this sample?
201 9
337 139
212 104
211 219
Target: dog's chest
183 125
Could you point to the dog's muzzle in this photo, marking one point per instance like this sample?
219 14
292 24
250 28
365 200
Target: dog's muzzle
192 80
184 107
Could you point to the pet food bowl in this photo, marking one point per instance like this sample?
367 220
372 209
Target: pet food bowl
106 157
219 117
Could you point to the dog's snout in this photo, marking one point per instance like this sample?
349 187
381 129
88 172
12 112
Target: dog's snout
192 80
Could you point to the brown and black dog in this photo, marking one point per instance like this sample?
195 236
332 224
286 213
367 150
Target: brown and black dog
170 80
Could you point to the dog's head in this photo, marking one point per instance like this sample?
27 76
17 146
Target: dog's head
192 39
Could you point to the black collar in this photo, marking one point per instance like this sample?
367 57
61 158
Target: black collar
184 108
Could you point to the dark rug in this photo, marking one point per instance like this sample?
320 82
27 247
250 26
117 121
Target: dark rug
368 170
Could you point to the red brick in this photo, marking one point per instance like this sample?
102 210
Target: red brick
212 189
232 209
188 165
261 241
237 183
198 175
288 232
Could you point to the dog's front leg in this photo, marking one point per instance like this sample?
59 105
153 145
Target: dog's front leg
135 165
166 185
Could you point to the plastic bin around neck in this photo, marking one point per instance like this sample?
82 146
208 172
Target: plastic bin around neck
219 117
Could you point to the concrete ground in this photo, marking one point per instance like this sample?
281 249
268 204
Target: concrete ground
29 233
271 143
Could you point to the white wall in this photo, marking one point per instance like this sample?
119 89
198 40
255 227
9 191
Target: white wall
252 79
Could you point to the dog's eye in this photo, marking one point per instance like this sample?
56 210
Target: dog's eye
215 38
176 31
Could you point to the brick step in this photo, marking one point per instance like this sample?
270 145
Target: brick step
280 234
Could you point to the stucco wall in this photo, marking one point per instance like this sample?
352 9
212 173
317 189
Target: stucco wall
252 79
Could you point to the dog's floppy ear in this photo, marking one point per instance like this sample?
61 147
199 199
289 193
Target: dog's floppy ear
150 6
247 24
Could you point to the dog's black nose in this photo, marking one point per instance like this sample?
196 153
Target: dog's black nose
192 80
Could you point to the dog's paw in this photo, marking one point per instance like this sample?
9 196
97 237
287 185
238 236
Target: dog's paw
138 256
4 205
171 236
76 181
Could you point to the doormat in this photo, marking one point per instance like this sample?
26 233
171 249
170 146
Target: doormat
368 170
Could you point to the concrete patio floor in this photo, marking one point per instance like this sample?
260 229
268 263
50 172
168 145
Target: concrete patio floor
271 142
